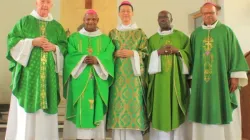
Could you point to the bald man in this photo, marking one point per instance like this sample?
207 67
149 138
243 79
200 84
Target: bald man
219 69
88 73
168 94
36 46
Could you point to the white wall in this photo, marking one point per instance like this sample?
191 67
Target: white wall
146 12
10 12
237 16
234 13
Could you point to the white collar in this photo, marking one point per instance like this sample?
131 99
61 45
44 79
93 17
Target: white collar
122 27
209 27
165 32
37 16
90 34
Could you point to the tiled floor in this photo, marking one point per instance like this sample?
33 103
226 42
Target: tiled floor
2 134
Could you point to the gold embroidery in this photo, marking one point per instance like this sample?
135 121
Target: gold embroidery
90 49
44 56
122 46
167 58
176 93
126 105
208 57
83 91
91 104
80 46
99 43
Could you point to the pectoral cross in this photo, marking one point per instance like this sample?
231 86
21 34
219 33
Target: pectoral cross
168 42
90 50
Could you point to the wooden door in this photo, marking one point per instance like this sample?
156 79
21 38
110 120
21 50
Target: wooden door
245 105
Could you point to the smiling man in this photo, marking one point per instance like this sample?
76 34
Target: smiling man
218 70
127 110
88 73
168 94
36 46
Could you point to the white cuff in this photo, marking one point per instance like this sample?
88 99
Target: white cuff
79 68
100 70
154 63
184 67
136 63
21 52
58 58
190 77
242 75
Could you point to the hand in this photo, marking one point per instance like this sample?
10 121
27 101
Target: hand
162 51
91 60
124 53
168 50
233 84
47 47
37 42
171 50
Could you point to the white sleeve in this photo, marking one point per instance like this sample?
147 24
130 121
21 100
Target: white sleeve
79 68
58 58
154 63
184 66
100 70
135 60
21 52
242 75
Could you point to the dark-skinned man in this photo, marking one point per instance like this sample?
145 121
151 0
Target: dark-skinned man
168 93
88 73
218 69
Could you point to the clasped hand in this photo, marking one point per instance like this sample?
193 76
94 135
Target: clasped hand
43 43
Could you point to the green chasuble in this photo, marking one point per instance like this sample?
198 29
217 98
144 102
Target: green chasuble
168 93
87 95
216 54
127 108
36 86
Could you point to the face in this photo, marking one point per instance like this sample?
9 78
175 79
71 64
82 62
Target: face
209 14
43 7
165 20
90 22
126 14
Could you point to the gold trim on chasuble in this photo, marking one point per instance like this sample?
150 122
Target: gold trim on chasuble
44 57
166 58
208 57
175 89
125 114
122 41
90 51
